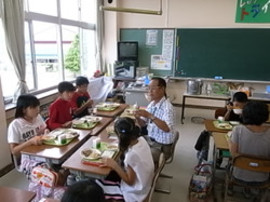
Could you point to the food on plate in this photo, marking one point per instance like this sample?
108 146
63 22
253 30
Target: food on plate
112 146
131 111
48 137
225 125
91 154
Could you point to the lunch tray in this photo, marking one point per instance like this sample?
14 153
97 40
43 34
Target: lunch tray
222 128
83 126
56 143
97 162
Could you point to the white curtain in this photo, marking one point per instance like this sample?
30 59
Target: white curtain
13 23
100 37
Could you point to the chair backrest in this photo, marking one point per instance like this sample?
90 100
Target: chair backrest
161 164
176 138
252 163
220 112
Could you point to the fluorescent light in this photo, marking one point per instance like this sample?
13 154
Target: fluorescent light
133 10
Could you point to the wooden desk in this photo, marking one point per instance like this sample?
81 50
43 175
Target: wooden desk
9 194
58 154
76 167
208 97
220 141
210 127
113 113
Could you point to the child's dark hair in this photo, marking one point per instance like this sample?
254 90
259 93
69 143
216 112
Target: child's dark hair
240 97
25 101
81 80
161 83
127 131
255 113
84 191
65 86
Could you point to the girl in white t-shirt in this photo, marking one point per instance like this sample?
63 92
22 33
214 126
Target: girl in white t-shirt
137 168
27 127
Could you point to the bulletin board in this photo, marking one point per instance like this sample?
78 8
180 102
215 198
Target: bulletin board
156 48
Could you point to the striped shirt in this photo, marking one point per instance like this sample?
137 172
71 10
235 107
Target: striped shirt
164 111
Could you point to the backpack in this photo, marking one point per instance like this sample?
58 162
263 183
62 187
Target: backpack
202 146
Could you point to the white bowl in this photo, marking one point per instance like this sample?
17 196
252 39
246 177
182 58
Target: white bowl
237 111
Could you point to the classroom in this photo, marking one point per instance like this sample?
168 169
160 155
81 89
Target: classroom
215 48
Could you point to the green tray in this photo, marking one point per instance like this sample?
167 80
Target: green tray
56 143
85 126
106 108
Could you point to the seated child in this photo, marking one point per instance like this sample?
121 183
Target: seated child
81 99
239 101
84 191
251 138
60 112
27 127
136 176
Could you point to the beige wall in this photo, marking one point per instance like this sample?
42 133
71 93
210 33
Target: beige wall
176 14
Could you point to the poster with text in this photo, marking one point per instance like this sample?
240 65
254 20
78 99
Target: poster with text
253 11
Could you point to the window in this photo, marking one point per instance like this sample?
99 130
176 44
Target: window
59 44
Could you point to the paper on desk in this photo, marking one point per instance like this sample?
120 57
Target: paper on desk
99 88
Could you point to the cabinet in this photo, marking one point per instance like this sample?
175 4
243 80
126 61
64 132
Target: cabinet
136 95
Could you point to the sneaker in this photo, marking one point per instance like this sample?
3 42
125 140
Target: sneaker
247 193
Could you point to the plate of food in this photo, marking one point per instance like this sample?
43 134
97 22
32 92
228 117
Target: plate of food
48 137
131 111
225 125
91 118
87 125
234 123
90 154
107 106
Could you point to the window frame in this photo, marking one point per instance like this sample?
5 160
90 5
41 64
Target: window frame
59 21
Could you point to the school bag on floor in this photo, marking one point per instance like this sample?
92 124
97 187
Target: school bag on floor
201 182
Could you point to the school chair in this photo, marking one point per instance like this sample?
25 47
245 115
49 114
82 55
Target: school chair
251 163
220 112
168 161
161 164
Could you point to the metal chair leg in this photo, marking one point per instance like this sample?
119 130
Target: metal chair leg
164 191
165 176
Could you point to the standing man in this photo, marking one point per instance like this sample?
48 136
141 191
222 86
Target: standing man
159 118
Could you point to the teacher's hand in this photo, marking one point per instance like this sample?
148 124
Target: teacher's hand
142 113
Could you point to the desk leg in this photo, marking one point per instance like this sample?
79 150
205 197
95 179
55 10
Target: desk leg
183 110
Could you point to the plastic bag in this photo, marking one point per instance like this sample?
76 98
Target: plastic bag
200 185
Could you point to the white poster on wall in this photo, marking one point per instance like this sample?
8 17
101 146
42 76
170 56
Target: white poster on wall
167 45
151 37
157 62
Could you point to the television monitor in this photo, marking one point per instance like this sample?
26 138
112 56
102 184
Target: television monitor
127 50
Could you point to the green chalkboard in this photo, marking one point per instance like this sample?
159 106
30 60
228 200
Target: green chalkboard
145 51
231 53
